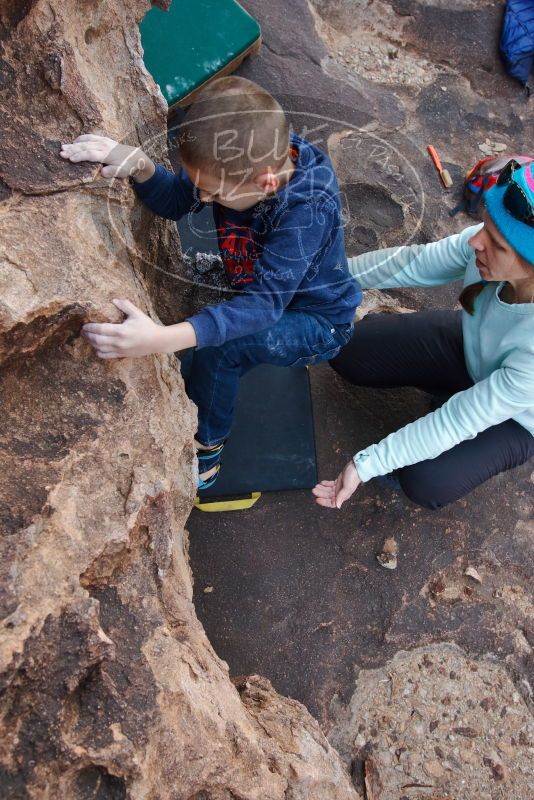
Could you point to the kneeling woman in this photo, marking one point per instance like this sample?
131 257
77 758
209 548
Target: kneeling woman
483 356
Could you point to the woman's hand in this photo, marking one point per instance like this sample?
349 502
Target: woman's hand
333 494
122 160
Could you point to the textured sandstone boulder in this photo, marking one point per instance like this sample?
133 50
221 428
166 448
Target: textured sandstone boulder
110 688
439 719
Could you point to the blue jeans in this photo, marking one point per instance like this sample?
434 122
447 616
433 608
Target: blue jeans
212 374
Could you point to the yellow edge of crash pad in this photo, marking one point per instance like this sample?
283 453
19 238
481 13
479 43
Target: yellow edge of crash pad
228 505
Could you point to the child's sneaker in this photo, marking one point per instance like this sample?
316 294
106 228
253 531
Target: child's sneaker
208 458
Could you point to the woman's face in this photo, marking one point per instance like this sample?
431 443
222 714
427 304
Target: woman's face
496 260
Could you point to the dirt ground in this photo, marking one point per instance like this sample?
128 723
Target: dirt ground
424 673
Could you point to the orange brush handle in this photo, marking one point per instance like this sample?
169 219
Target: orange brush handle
435 158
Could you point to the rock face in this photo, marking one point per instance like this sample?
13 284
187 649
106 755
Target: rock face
436 719
110 688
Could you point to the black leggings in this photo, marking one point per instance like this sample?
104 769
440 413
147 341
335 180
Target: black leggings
425 350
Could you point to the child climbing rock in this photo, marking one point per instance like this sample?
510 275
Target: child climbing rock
278 217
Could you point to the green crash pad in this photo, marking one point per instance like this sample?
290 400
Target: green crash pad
195 41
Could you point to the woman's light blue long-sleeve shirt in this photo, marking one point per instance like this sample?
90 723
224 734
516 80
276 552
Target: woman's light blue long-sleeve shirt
498 347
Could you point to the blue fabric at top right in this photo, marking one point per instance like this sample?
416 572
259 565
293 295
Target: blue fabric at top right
517 39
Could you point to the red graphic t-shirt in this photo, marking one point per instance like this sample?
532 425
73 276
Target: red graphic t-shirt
238 250
239 245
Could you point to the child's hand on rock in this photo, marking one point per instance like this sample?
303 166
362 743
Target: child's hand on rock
122 160
137 336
